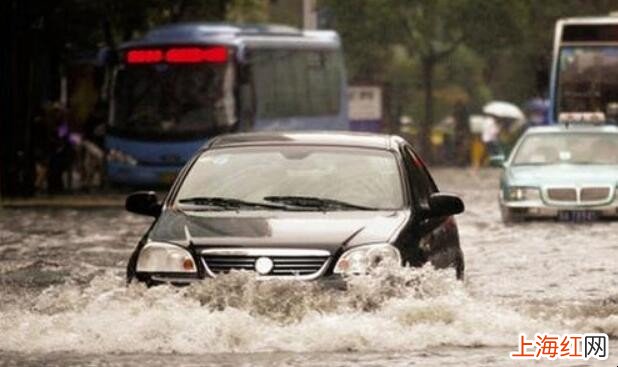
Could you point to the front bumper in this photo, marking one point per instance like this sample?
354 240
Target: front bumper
539 209
330 281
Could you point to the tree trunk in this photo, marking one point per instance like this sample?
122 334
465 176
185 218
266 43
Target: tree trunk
425 126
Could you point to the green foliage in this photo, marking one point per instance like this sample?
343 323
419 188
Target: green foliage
247 11
83 24
363 26
474 50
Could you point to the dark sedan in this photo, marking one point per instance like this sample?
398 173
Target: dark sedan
299 206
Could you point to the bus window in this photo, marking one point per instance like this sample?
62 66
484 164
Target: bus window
584 83
588 79
173 99
296 82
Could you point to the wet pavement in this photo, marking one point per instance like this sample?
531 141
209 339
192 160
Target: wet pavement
65 302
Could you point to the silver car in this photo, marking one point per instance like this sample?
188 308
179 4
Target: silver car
561 172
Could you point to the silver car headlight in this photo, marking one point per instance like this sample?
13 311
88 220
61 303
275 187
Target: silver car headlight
362 259
158 257
523 194
116 156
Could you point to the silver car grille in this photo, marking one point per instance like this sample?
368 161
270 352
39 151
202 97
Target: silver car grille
286 262
581 195
562 194
594 194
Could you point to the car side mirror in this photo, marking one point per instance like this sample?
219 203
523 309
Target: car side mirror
444 205
497 160
143 202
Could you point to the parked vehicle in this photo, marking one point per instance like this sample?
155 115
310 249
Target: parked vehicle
561 172
297 205
182 84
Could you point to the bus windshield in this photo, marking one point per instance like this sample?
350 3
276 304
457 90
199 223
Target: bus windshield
173 100
588 80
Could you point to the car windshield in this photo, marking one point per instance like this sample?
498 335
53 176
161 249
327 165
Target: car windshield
173 100
588 80
575 148
351 178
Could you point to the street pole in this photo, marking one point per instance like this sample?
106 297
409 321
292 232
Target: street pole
310 16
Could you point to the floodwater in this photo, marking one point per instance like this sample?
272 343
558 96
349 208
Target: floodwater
63 298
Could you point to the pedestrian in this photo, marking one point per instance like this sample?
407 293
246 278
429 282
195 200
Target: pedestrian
491 137
62 153
42 139
91 149
477 151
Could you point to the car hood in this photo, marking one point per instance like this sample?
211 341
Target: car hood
315 230
563 174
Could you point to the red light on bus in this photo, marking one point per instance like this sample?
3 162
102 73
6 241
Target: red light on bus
196 55
149 56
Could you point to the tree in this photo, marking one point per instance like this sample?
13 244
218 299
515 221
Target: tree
434 29
430 30
363 26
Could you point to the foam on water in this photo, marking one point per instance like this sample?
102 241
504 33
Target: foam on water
408 309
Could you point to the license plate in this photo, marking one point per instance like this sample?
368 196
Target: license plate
578 216
167 177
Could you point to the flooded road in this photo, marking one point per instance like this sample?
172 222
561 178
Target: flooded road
64 300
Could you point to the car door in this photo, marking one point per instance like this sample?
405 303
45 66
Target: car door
436 239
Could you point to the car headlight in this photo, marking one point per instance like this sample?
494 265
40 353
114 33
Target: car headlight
115 155
157 257
523 193
363 259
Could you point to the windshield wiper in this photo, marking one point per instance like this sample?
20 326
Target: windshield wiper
316 202
228 203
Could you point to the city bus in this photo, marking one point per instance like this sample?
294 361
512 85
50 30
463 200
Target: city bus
181 84
584 76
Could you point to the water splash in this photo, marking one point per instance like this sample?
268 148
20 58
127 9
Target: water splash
398 310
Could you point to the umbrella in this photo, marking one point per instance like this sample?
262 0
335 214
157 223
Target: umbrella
504 110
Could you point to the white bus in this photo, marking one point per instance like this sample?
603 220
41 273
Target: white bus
584 77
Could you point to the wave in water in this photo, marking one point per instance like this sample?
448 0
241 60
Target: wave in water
399 310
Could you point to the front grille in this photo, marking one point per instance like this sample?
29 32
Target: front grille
562 194
284 264
594 194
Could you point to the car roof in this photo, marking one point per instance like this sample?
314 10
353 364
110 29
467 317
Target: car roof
331 138
231 34
573 128
589 20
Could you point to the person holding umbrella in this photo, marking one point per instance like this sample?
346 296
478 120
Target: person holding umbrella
504 126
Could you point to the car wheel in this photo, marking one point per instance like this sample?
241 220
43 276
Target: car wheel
509 216
452 258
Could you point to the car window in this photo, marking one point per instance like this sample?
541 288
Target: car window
575 148
363 177
426 177
421 182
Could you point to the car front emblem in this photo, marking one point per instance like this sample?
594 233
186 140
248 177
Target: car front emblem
263 265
